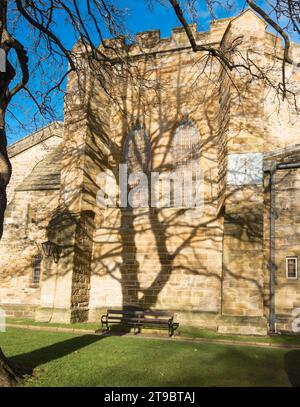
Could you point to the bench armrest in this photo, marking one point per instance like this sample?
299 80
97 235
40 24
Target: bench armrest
104 318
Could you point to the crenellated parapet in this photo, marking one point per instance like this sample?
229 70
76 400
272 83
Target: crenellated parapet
220 31
151 41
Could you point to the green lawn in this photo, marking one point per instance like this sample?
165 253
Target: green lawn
64 359
183 331
26 321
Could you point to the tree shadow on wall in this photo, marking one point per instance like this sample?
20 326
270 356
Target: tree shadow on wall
157 243
121 250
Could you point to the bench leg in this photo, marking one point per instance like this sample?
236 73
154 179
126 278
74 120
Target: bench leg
171 330
105 327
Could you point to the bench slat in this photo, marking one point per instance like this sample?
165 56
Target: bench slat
159 313
124 312
140 312
124 322
113 311
147 320
122 319
153 321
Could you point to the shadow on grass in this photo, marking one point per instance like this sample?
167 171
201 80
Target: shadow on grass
292 367
55 351
222 365
35 358
38 357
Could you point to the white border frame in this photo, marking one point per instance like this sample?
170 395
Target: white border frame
286 267
2 320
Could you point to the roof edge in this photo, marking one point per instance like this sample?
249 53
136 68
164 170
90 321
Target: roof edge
45 133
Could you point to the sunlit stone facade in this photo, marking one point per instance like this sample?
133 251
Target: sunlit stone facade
221 265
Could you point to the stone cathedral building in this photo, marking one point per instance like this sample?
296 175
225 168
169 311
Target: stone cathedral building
230 264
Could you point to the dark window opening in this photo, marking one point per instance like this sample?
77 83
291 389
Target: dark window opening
36 273
292 267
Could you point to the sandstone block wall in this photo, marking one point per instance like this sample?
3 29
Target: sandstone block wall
33 197
209 265
21 242
287 294
28 152
161 258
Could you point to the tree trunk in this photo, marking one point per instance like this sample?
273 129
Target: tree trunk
9 375
5 171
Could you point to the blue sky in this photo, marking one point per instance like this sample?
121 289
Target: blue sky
140 18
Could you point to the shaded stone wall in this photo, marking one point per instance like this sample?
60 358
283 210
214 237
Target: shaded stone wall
285 234
287 238
35 186
80 294
72 225
27 218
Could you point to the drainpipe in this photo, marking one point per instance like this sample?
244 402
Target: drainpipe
272 261
288 166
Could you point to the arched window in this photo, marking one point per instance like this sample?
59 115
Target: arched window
137 151
186 145
36 269
185 150
137 156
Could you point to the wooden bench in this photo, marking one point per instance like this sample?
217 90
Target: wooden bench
139 319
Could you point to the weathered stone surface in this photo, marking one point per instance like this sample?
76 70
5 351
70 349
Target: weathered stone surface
30 151
33 193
